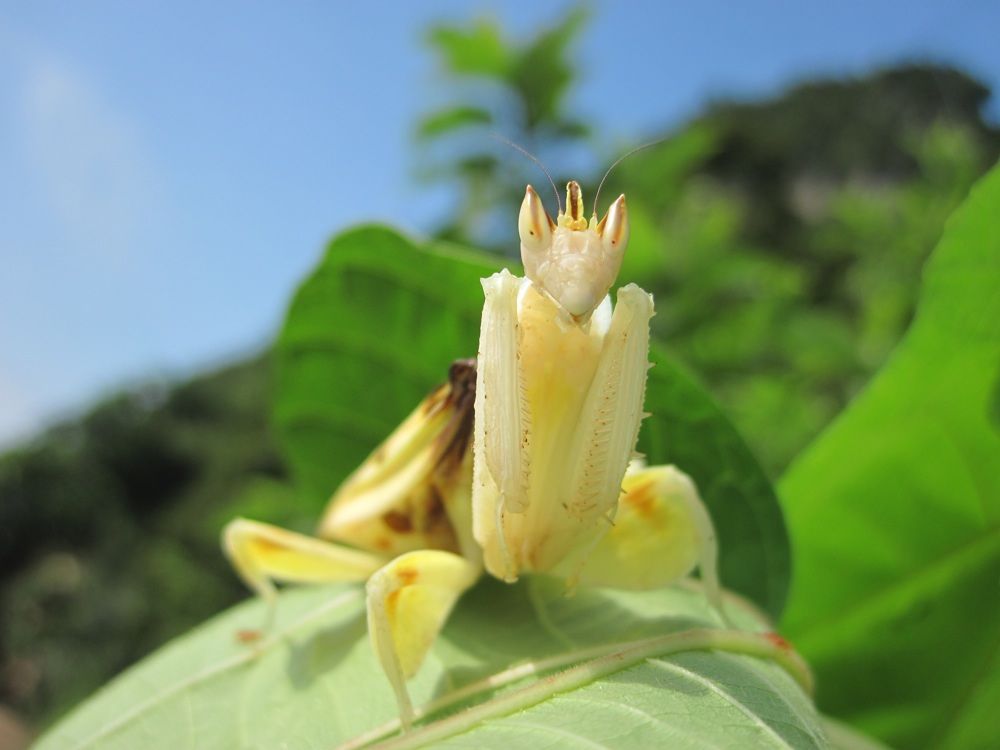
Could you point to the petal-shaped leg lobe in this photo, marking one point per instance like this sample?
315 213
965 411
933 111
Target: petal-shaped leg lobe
660 532
409 601
263 554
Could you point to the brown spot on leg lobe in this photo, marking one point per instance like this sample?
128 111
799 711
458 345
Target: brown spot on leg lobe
407 576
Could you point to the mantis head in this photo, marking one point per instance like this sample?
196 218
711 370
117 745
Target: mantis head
574 261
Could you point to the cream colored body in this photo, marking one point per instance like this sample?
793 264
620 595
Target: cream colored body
538 476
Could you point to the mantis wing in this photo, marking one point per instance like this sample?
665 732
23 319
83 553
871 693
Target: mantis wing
412 491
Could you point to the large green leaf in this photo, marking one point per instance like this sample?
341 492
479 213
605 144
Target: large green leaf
375 327
614 670
895 516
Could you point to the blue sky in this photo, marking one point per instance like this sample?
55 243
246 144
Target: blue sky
170 170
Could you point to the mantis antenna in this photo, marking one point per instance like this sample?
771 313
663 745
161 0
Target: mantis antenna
537 161
618 161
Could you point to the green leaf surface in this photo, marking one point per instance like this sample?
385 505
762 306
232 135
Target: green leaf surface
479 50
585 674
374 329
448 120
688 429
367 336
541 71
895 516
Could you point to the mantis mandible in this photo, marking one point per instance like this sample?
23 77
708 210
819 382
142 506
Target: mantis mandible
522 462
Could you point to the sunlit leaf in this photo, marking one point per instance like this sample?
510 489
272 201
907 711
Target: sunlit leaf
313 682
479 50
375 328
895 516
451 119
542 73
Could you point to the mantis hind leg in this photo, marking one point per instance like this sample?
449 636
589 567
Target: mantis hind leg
660 532
409 600
263 555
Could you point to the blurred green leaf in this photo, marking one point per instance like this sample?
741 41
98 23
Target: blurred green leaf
367 336
541 72
314 682
895 516
688 429
480 50
374 329
454 118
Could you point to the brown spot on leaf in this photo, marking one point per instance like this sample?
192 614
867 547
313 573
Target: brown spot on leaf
248 636
778 641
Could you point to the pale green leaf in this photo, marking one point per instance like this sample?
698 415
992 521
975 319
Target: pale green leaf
313 683
895 516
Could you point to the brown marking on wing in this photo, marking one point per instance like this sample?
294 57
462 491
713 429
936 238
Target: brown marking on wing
456 437
437 399
434 511
399 522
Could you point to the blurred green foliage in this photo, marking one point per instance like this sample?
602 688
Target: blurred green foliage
515 89
784 242
109 529
894 514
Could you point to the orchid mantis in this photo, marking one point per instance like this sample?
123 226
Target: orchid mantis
522 462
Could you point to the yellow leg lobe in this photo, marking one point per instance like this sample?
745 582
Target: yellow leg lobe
409 601
263 554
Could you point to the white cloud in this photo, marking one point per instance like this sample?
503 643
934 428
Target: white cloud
87 157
